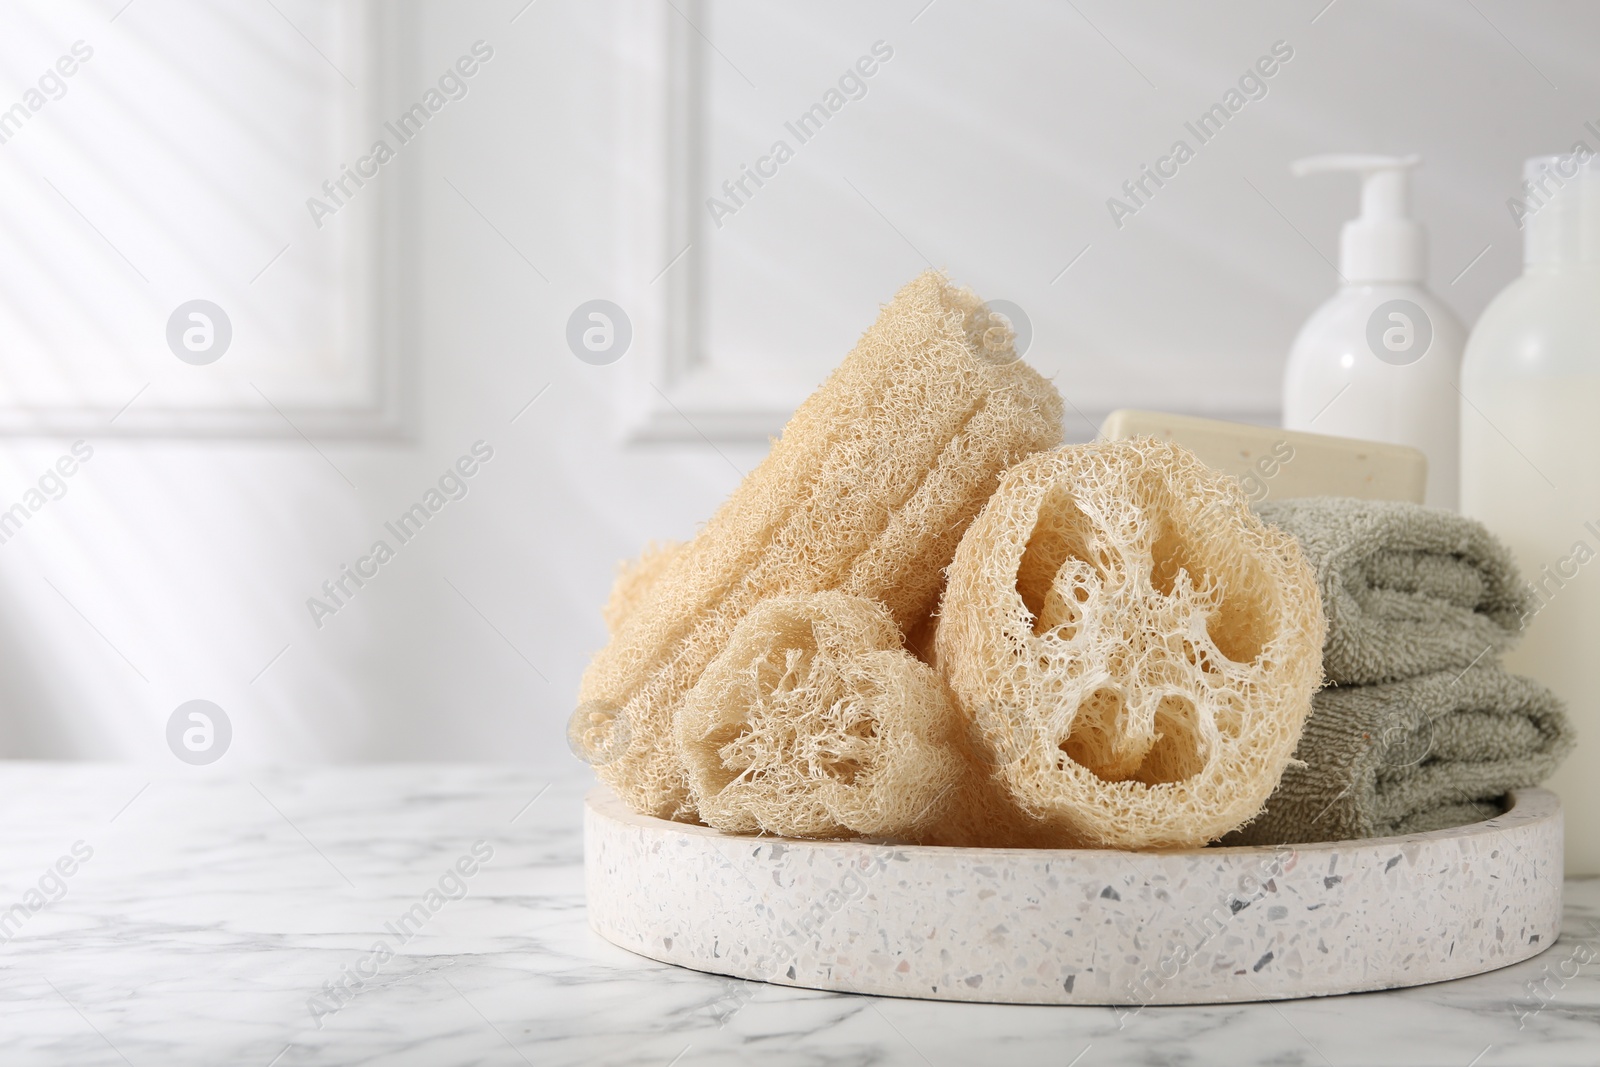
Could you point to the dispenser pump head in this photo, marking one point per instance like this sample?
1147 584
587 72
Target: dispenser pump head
1384 244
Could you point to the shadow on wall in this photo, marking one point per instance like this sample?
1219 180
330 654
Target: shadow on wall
159 575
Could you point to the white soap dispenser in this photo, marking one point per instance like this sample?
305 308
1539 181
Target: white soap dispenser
1381 358
1530 459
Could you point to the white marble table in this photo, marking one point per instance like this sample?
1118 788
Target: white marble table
214 909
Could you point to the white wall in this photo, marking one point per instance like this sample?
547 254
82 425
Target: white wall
173 570
992 140
194 559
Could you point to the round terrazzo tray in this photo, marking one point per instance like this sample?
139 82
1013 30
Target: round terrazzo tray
1079 926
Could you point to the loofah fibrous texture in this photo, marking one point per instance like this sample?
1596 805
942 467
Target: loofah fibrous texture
815 722
634 577
867 491
1136 648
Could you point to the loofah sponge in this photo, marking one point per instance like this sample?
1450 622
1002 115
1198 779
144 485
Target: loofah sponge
633 578
1137 649
868 491
814 722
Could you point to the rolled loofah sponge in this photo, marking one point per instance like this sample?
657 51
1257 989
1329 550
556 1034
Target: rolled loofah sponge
1138 650
868 491
814 722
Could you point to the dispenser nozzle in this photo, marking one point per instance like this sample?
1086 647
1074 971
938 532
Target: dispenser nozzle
1351 161
1383 244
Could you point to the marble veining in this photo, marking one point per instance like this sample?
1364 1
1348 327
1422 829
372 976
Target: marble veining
215 909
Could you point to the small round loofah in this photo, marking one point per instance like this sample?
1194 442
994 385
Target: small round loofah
1137 649
867 492
814 722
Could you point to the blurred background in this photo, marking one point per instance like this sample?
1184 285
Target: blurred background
257 340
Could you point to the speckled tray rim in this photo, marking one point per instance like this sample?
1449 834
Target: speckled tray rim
1531 814
1526 806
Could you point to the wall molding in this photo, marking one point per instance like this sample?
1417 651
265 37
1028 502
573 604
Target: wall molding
368 397
678 390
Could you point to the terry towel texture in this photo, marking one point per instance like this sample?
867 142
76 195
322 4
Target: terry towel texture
1422 728
1429 752
1407 589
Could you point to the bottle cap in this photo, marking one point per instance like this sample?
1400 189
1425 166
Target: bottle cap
1559 209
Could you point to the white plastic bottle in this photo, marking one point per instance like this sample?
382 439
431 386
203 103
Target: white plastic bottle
1380 359
1530 459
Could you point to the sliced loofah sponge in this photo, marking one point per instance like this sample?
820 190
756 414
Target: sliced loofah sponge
868 491
1137 649
814 722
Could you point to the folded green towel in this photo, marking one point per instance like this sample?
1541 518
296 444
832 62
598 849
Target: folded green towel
1421 754
1407 589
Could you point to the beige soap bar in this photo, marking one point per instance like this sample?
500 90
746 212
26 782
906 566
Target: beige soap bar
1284 463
